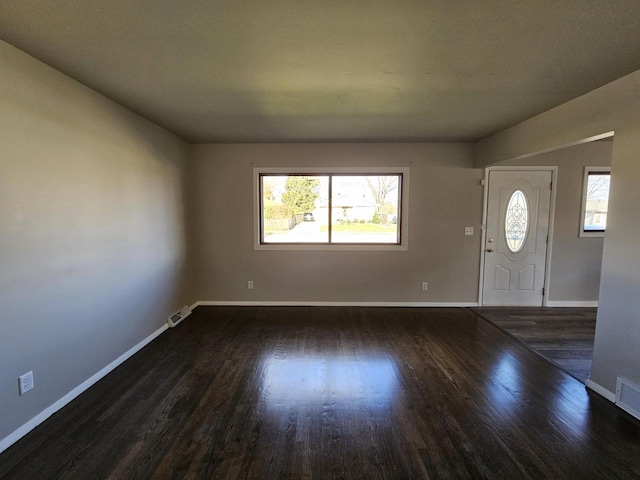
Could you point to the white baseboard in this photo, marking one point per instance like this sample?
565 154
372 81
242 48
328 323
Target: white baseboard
46 413
557 303
252 303
600 390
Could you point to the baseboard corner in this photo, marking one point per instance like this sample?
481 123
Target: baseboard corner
600 390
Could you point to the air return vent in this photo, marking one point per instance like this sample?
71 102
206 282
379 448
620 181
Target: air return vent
628 397
177 317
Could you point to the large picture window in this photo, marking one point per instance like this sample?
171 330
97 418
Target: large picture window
595 201
336 208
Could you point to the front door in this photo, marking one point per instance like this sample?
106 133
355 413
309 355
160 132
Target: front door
515 252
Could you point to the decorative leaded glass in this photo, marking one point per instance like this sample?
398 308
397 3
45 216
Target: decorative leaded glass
516 222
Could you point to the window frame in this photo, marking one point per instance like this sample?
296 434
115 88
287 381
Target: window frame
597 170
403 220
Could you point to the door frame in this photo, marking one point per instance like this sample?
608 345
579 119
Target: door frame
552 211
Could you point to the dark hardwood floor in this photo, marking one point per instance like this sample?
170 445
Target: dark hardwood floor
564 336
329 393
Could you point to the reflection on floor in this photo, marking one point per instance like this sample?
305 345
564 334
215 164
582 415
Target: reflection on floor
333 393
564 336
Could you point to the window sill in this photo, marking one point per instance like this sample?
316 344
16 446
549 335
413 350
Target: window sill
591 234
332 247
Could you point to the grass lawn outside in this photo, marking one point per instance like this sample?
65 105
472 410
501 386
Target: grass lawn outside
360 228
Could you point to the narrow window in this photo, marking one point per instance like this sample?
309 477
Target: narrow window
595 201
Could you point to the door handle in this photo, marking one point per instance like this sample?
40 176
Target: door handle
490 250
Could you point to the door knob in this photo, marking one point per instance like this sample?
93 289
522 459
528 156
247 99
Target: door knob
490 250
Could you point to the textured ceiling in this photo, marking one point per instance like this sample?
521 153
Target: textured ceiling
344 70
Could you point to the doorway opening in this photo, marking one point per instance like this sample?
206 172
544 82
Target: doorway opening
564 336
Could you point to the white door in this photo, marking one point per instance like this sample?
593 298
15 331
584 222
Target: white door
516 238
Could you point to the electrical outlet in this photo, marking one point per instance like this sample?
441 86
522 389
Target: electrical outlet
425 286
25 383
250 285
468 231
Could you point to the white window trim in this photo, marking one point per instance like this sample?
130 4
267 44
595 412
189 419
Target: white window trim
583 207
404 210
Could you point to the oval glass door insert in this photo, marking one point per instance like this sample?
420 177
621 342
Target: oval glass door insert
516 221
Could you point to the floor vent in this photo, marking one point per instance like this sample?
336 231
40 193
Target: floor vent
628 397
177 317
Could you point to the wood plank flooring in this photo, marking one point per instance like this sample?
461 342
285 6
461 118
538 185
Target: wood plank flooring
332 393
564 336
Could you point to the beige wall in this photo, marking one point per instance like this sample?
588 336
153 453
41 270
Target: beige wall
92 237
613 107
224 258
93 227
575 261
445 196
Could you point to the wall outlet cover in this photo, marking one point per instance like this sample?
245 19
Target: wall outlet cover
25 383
